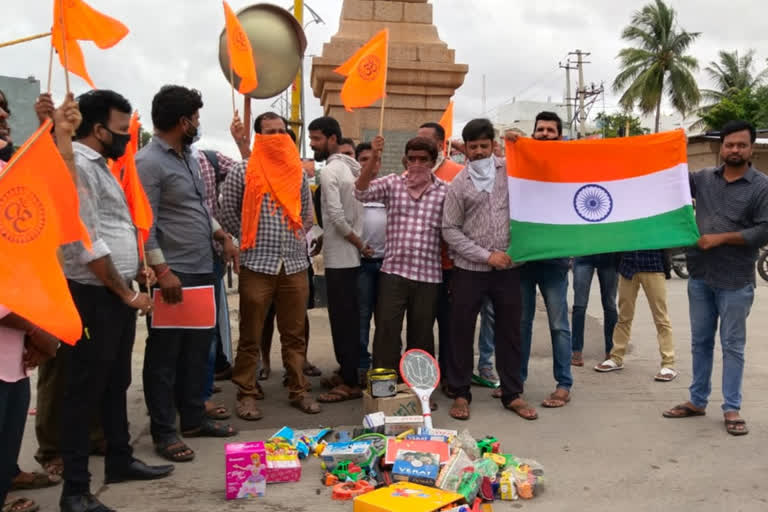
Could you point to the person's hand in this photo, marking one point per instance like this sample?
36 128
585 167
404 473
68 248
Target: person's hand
499 260
170 287
33 357
511 136
367 252
315 246
44 107
377 144
67 118
140 301
711 241
45 342
457 145
238 131
231 253
146 277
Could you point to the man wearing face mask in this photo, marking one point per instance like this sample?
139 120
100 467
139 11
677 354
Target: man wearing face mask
97 370
476 227
412 272
180 250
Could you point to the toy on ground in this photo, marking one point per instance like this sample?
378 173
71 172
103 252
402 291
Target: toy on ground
350 490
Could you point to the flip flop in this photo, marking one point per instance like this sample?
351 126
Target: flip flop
666 375
577 359
685 410
731 426
554 401
20 505
609 365
520 408
39 481
210 428
306 405
460 409
218 412
246 409
173 451
339 394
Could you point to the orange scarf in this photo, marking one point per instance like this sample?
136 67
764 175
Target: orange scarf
275 169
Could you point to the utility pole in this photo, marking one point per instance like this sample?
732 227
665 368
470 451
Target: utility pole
568 99
581 93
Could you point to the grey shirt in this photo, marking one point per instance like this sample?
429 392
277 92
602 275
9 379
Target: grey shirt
722 207
182 231
105 213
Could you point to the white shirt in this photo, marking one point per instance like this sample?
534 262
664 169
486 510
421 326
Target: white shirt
342 212
375 228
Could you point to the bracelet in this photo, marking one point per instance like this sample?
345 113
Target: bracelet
162 274
134 298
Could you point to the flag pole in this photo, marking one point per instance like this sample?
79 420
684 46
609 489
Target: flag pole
381 116
232 83
64 47
24 39
50 68
448 155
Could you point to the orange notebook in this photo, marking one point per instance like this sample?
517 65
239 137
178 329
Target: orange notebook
196 311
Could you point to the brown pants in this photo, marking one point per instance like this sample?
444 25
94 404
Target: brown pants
289 294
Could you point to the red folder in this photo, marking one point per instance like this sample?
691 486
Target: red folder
197 310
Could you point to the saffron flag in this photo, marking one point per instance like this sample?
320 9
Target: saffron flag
240 52
446 121
73 21
40 211
366 73
125 172
596 196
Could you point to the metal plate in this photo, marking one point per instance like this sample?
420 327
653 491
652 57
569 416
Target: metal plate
278 44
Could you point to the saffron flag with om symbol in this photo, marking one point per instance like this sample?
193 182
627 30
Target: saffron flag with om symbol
39 211
366 73
240 52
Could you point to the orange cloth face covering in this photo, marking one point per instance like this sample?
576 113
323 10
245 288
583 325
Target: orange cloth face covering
274 169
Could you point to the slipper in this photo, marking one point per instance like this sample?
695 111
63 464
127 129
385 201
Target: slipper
496 393
732 427
339 394
460 409
173 451
332 381
312 371
666 375
556 400
577 359
53 466
609 365
246 409
20 505
218 412
38 481
306 405
682 411
210 428
521 408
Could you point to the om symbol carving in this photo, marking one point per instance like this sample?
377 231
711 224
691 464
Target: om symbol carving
368 68
22 215
241 41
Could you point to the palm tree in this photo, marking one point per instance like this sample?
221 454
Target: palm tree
732 74
658 65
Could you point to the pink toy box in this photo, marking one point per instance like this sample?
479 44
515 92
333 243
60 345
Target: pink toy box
282 462
246 470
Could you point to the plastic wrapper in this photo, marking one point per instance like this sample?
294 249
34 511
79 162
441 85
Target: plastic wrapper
466 442
486 467
450 476
529 477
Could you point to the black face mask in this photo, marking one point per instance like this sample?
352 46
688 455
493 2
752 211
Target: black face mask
6 153
190 137
116 148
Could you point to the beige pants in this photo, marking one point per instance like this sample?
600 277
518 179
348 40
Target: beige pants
655 288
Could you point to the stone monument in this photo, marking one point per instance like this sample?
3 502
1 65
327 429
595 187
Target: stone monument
421 78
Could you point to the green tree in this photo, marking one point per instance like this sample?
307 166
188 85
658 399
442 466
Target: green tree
659 64
615 125
733 74
144 137
747 104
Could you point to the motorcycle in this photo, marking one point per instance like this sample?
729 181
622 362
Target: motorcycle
762 263
679 264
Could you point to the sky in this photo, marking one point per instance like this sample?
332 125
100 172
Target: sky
516 45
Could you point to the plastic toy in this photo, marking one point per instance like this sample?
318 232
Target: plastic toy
489 445
348 471
349 490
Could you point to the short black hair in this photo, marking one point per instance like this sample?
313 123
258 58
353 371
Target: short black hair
439 130
422 144
347 141
172 103
95 107
267 115
328 125
478 129
549 116
738 126
363 146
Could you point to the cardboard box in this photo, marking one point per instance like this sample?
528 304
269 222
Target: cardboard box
282 463
404 403
416 467
394 445
396 425
358 452
406 497
246 470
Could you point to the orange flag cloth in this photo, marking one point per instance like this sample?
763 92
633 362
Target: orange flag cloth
274 168
39 206
446 121
366 73
77 21
240 52
125 172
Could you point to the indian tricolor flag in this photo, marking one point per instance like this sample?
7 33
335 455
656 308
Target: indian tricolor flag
594 196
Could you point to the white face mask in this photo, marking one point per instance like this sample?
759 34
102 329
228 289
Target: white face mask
198 134
483 173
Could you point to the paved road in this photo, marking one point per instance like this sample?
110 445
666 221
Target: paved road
608 450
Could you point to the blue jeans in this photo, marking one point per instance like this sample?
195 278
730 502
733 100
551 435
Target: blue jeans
368 285
732 307
486 344
582 282
552 280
